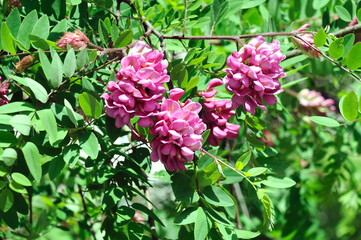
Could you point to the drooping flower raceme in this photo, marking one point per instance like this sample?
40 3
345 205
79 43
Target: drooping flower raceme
177 132
314 103
304 47
3 91
253 73
139 88
216 114
77 40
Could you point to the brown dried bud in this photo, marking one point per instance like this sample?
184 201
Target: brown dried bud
24 63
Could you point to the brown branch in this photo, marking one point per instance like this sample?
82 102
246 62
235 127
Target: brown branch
229 37
328 58
86 213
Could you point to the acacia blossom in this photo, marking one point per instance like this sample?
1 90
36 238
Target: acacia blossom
76 40
177 132
3 91
139 88
314 103
253 73
304 47
216 114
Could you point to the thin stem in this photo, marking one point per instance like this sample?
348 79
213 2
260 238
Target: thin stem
229 37
233 192
197 183
185 17
86 213
229 166
343 124
327 57
31 208
245 134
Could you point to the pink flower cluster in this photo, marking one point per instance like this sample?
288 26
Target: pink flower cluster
216 114
139 88
77 40
177 132
315 103
3 91
304 47
253 74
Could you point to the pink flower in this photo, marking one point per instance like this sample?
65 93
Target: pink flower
140 86
216 115
76 40
314 103
304 47
4 89
177 132
253 74
353 22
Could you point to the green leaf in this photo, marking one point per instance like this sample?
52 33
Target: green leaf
320 38
6 39
32 158
349 108
71 155
89 144
103 32
7 139
188 216
192 83
217 196
70 63
90 105
239 165
49 122
3 171
343 14
39 91
353 60
55 167
13 21
71 113
358 15
58 30
290 84
319 4
329 122
21 179
182 188
124 39
257 171
45 64
144 209
205 136
56 73
81 59
6 200
336 49
39 42
124 215
16 107
26 28
22 123
17 188
196 61
243 234
201 227
9 156
278 183
41 28
244 159
348 42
